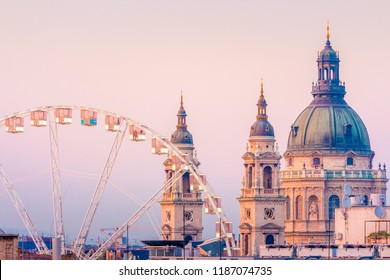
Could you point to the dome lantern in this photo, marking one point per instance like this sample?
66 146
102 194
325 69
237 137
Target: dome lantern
328 84
262 127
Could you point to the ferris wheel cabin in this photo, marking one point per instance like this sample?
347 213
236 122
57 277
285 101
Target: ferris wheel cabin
208 208
88 117
136 133
63 115
195 185
158 148
38 118
112 123
14 124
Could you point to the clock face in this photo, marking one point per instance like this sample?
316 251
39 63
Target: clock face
188 215
269 213
168 216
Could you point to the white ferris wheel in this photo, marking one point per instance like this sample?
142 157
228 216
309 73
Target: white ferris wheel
54 116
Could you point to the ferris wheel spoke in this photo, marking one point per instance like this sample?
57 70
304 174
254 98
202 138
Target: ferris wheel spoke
141 211
56 183
9 187
151 216
97 196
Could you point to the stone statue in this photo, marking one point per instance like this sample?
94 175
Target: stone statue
313 211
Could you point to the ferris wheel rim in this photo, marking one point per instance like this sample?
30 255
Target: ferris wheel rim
192 168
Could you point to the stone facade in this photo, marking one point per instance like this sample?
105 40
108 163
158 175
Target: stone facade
328 148
181 204
8 246
261 200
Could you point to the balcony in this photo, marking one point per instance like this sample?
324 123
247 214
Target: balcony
328 88
334 174
182 196
257 192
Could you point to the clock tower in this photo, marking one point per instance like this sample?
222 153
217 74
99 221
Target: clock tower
181 204
261 200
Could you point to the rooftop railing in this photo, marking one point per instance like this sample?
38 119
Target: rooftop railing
258 192
334 174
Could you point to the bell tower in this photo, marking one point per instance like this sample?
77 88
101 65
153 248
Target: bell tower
261 200
181 204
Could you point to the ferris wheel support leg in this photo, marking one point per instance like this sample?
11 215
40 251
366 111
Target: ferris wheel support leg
131 221
9 187
97 196
56 184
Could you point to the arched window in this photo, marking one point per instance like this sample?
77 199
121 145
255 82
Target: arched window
250 176
299 207
288 214
325 74
316 161
267 177
186 182
349 161
364 200
269 239
334 202
169 176
331 73
290 162
246 244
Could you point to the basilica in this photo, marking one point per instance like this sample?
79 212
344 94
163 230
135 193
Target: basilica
328 162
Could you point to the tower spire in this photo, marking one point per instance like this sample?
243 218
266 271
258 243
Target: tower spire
261 104
181 115
327 31
261 89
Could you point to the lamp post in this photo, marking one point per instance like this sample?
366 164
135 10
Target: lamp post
220 237
328 239
184 233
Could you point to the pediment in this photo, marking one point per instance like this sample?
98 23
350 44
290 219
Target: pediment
168 162
287 154
270 226
166 227
245 226
248 155
190 227
350 154
268 155
316 153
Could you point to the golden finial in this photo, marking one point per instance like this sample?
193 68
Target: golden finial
327 31
181 98
261 89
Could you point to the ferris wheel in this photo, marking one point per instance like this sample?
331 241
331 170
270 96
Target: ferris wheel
54 116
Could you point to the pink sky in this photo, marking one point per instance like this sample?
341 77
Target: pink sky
134 58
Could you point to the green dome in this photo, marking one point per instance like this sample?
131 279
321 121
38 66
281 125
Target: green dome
328 124
331 126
